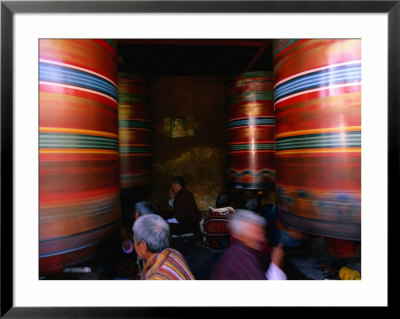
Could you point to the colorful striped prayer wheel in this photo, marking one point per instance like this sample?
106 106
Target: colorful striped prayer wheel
250 131
134 117
317 97
78 150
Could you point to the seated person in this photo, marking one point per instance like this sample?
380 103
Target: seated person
150 236
241 261
186 215
139 209
215 226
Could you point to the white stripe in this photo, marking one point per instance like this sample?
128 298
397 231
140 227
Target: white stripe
316 69
77 88
77 68
315 90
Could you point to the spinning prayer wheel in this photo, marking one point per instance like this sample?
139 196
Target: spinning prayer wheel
250 131
317 97
78 150
134 117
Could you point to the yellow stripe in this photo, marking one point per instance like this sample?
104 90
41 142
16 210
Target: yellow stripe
322 130
77 131
321 150
70 151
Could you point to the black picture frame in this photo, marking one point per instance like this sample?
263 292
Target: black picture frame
9 8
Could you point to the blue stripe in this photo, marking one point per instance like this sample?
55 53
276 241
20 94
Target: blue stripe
64 75
333 76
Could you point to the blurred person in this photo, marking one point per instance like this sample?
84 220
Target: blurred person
241 260
151 243
253 203
215 225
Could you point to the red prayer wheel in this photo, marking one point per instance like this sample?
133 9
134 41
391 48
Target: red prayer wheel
134 117
317 97
78 150
250 131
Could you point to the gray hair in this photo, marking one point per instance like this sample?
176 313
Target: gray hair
154 230
243 216
144 208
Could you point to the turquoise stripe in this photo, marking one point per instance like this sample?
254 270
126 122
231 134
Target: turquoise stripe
241 147
62 140
129 149
323 140
250 121
283 47
133 123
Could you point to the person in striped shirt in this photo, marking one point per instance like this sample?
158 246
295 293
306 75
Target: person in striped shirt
151 243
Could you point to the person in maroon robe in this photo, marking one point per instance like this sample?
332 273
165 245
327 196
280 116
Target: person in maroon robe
186 214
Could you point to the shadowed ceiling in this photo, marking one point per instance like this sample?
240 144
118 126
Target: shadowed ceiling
191 57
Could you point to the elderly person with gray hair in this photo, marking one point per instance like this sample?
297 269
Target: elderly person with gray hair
240 261
151 243
139 209
142 208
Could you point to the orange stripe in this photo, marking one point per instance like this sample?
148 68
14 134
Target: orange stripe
64 150
322 150
77 131
323 130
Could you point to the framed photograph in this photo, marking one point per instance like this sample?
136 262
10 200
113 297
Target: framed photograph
24 23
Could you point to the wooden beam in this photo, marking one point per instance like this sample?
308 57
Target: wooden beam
258 55
205 42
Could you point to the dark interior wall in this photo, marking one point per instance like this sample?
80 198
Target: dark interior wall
200 158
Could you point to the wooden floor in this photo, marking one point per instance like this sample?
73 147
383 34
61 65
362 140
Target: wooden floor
307 262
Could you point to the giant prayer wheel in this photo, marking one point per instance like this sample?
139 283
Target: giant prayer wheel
78 150
250 131
134 117
317 97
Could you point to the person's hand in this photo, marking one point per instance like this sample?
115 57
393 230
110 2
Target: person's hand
277 255
171 193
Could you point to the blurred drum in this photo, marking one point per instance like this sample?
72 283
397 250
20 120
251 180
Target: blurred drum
134 117
78 155
317 97
250 131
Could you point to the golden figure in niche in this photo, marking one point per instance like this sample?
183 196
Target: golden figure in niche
178 127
